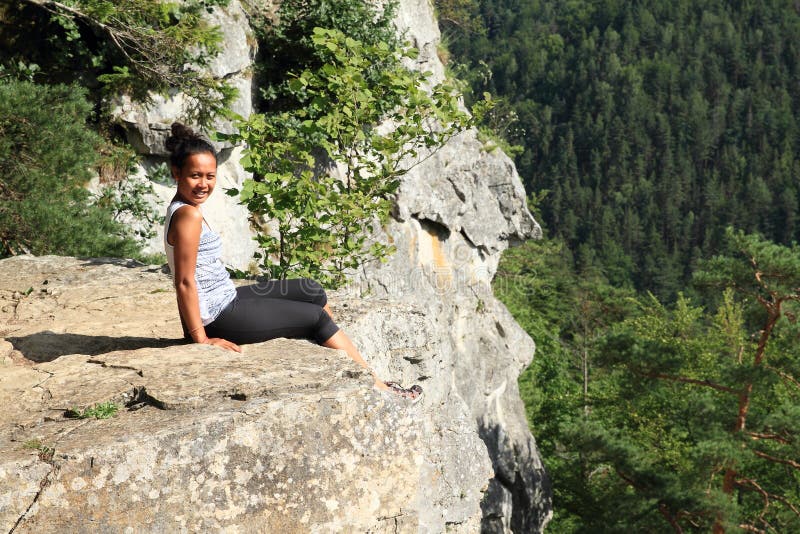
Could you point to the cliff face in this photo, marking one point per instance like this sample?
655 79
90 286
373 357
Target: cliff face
455 215
290 436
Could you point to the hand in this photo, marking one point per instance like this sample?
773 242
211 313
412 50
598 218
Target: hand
224 343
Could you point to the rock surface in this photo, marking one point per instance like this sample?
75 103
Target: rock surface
427 315
455 214
285 437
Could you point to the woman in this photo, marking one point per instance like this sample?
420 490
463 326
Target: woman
214 311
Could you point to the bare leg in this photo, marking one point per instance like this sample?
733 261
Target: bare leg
340 341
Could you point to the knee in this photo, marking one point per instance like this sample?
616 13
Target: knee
315 290
325 328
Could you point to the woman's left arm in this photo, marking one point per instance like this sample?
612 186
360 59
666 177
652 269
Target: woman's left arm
185 236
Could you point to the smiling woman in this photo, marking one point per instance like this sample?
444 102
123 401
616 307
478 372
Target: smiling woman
214 311
196 178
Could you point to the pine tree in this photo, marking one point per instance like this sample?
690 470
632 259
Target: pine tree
47 151
694 422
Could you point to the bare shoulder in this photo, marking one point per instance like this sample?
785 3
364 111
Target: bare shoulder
186 223
188 214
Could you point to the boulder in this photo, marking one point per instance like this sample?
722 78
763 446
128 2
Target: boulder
285 437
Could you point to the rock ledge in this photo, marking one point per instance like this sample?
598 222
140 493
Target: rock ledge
286 437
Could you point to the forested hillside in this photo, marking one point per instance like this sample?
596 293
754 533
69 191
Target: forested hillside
653 125
659 144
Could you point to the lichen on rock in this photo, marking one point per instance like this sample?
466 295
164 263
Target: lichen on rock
287 436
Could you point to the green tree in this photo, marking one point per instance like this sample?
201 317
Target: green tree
634 115
696 426
129 46
767 428
459 18
286 41
136 47
47 151
325 167
565 313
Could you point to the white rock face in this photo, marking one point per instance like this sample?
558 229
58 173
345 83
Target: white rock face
416 22
454 215
147 127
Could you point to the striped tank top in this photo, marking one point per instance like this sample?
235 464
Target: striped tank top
215 290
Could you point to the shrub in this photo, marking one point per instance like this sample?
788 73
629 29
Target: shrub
47 152
325 169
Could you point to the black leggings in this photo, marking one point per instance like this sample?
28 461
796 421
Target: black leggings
277 308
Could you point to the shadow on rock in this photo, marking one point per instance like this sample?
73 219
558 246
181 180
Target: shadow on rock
47 346
128 263
519 496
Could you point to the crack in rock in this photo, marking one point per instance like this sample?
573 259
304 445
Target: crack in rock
116 366
46 393
393 519
48 373
46 481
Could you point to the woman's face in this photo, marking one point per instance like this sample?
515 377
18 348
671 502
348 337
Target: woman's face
197 178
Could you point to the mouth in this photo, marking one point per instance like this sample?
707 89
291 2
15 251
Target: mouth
200 194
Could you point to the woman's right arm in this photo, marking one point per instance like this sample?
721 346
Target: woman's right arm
184 235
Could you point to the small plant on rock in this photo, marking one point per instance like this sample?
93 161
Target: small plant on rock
104 410
45 452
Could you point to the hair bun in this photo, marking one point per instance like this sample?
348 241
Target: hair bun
184 142
180 134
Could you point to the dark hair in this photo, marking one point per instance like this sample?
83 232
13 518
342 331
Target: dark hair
183 143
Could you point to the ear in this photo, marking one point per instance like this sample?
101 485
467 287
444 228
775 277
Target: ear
175 172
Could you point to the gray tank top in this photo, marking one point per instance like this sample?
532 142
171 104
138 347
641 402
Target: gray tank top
215 289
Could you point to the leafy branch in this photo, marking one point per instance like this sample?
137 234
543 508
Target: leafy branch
326 168
148 46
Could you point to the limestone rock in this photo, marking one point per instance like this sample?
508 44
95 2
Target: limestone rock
417 23
469 191
147 126
428 314
454 215
285 437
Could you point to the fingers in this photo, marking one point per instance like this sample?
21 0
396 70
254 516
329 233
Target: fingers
230 346
224 343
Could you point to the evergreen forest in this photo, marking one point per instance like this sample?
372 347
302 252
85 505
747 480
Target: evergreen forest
660 148
651 126
658 142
